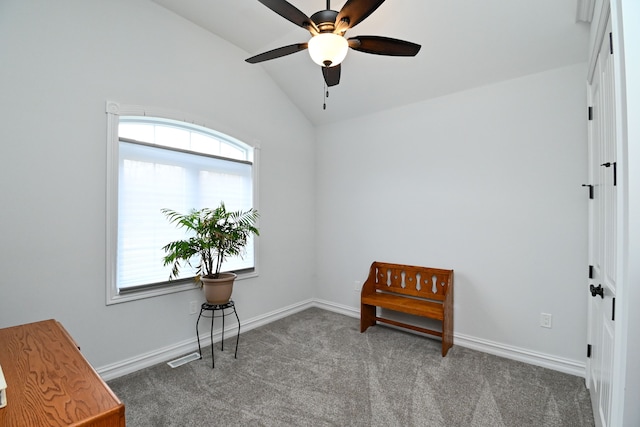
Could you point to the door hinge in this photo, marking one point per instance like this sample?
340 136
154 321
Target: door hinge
590 113
613 309
589 350
615 171
591 272
611 43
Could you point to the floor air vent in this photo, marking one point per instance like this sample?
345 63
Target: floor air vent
184 359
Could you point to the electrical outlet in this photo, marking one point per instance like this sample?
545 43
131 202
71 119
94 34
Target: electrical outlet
356 286
193 307
545 320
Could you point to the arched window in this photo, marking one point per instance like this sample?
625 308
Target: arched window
158 163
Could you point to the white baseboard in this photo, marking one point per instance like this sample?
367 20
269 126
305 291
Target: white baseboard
568 366
145 360
165 354
337 308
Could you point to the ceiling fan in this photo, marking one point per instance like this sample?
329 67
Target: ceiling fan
328 47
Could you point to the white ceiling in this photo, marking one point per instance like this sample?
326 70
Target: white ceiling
465 44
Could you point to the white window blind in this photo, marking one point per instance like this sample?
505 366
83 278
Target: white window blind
152 178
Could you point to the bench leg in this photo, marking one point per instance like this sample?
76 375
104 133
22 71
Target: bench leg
447 333
367 316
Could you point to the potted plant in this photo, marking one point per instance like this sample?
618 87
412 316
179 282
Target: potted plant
215 235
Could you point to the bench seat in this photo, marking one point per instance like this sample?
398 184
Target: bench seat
415 306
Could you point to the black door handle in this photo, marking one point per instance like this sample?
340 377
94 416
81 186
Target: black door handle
590 190
596 291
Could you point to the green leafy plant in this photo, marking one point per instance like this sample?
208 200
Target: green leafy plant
216 235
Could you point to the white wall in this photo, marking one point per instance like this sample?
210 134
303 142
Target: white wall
60 62
486 182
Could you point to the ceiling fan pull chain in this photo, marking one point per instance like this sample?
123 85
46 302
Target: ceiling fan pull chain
326 95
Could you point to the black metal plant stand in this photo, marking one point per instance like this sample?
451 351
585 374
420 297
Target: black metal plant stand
213 308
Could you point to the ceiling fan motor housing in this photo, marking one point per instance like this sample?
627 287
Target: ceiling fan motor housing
325 20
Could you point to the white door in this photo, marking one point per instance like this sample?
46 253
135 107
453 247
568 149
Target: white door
602 234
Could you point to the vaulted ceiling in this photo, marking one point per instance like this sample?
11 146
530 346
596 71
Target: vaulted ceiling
465 44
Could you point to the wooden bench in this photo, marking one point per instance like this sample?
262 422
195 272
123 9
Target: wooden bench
420 291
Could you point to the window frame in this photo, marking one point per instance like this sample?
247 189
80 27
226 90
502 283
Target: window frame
114 110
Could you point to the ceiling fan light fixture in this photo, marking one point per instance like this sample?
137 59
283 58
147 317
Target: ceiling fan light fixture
328 49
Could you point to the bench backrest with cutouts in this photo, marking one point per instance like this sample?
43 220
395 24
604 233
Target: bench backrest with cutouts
421 282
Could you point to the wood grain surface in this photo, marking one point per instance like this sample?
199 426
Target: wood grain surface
50 383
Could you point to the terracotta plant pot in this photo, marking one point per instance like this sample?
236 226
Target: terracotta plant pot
218 291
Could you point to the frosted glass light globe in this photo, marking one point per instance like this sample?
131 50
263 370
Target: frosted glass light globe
328 49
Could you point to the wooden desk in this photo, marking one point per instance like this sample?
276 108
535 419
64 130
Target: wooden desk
50 383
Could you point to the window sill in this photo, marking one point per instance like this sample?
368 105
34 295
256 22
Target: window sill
189 284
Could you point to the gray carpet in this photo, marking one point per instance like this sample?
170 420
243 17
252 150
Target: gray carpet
315 368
